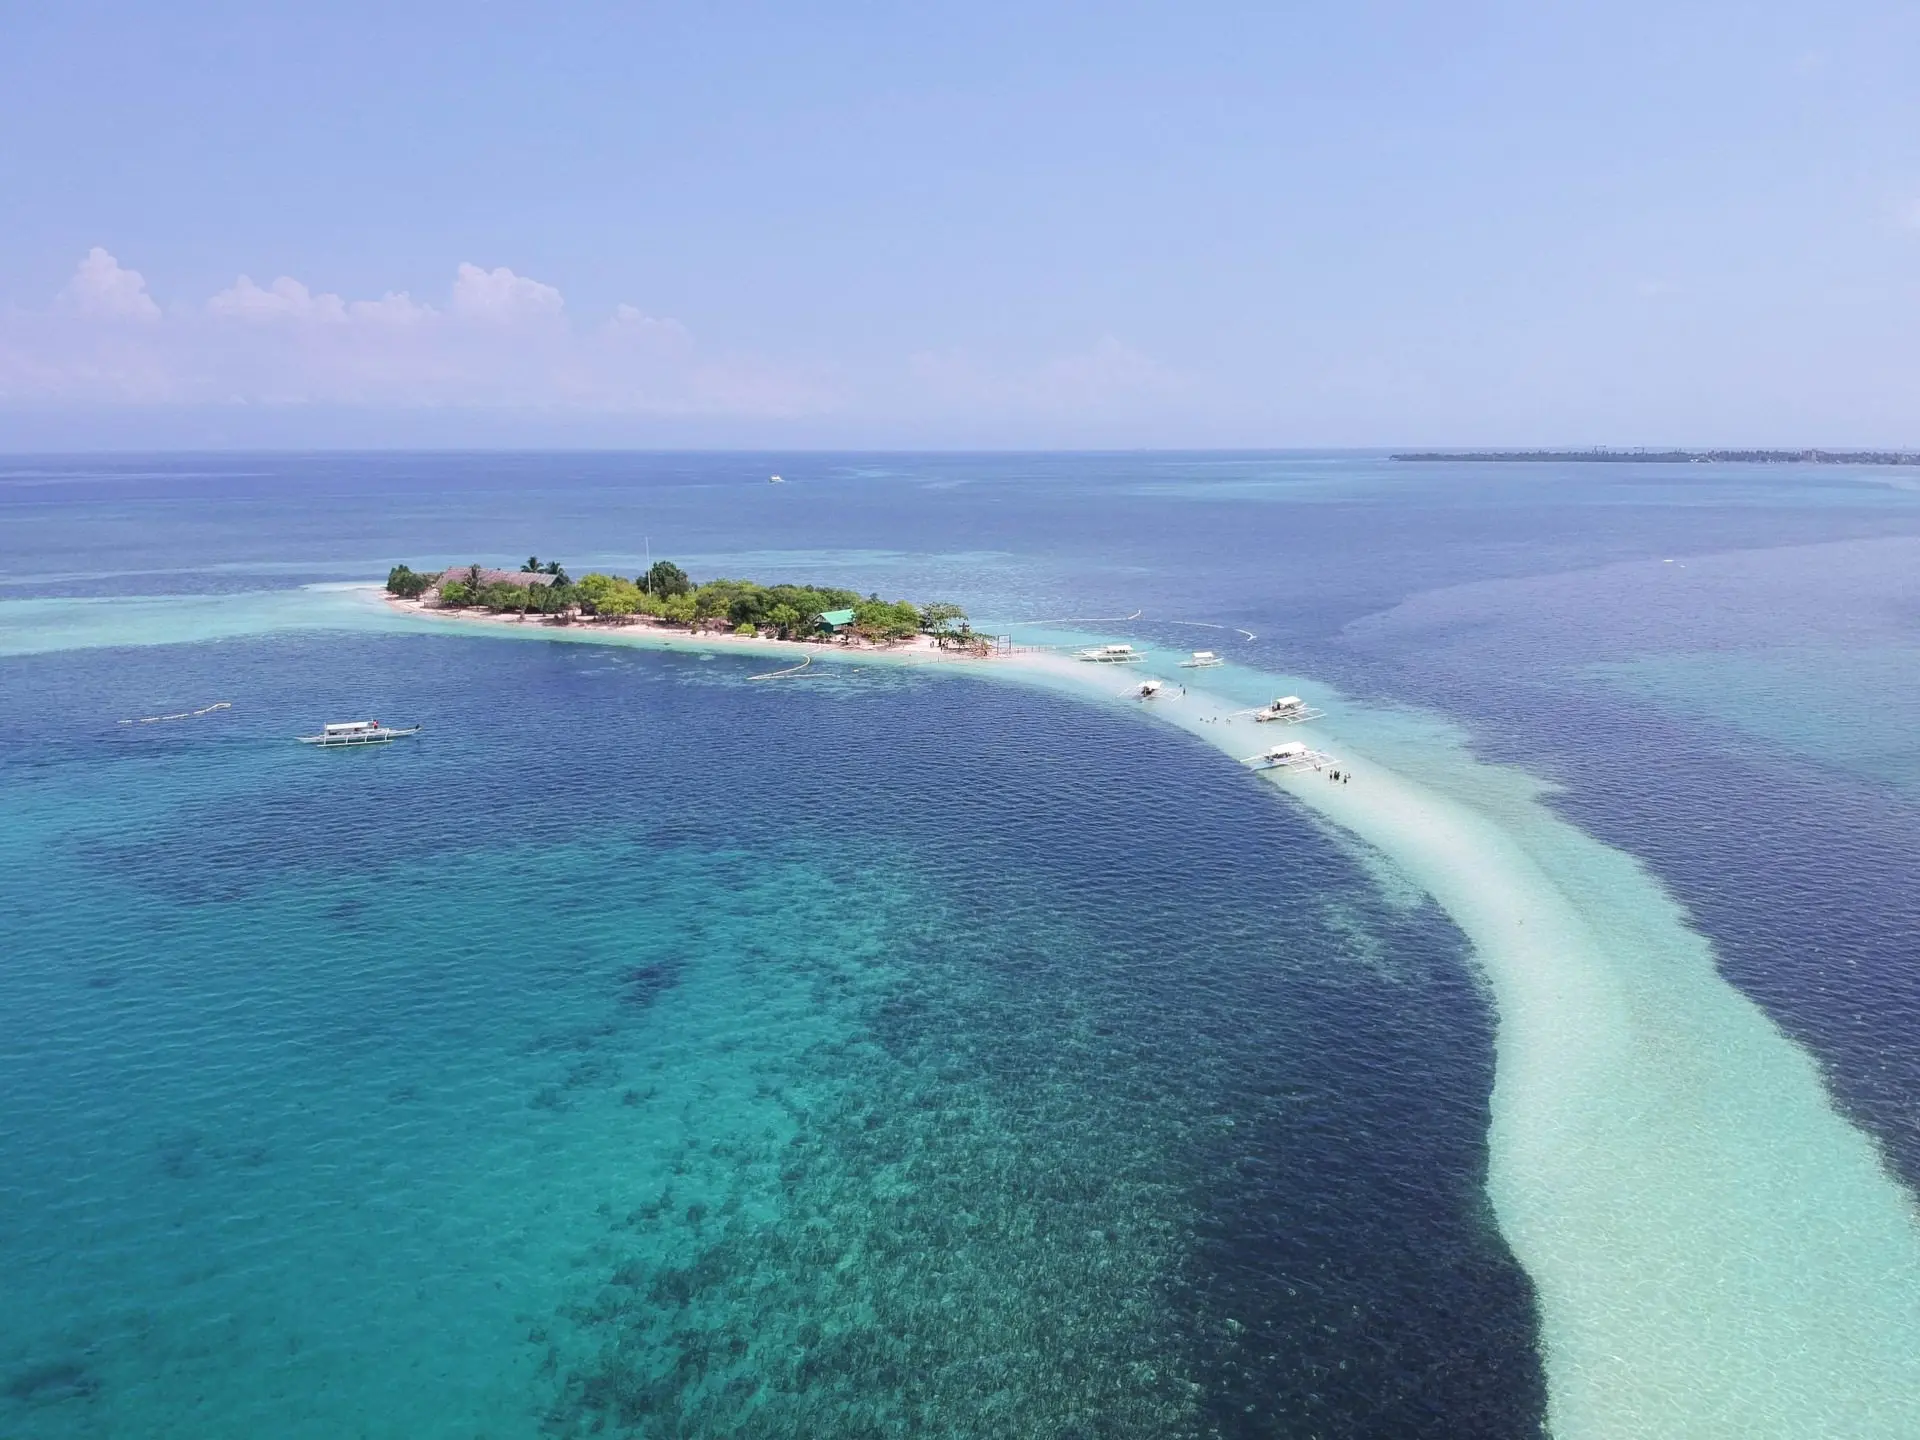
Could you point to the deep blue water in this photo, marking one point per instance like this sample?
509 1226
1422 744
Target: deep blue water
892 1053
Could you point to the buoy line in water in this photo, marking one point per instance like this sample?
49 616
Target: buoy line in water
183 715
1121 619
779 674
1083 620
1208 625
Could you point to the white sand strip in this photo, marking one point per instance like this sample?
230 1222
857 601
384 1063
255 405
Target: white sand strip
1716 1251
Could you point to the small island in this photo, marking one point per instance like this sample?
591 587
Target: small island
666 597
1602 455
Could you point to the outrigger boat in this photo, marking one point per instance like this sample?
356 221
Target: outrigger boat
1288 710
1291 756
1112 655
1201 660
1151 688
357 732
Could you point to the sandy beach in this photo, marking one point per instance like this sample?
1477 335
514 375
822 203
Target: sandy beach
647 631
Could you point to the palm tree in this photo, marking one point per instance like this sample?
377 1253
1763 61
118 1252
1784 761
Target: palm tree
532 567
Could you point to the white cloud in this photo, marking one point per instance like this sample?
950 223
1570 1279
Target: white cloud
500 341
396 307
500 295
285 299
103 290
288 299
503 342
631 323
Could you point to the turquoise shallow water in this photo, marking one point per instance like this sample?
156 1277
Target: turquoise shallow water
830 1061
1200 1092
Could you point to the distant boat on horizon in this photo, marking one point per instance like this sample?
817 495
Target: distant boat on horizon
775 480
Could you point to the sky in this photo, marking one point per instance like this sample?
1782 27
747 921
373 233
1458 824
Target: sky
979 226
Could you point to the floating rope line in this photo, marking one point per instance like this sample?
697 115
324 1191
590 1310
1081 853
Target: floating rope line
183 715
777 674
1120 619
1083 620
1196 624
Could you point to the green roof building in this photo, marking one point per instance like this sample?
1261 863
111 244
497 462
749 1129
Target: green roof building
836 619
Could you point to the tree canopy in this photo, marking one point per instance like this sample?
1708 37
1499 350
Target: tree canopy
408 584
664 579
609 595
668 594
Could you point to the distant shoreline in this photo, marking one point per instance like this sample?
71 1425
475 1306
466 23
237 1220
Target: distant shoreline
1678 457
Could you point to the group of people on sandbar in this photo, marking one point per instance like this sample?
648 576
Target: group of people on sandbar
1340 777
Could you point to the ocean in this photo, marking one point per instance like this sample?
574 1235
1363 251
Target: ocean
647 1051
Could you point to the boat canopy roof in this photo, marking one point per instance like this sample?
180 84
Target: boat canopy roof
1203 654
1288 702
1292 747
346 725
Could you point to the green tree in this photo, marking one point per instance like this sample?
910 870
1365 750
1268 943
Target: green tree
665 579
501 596
407 584
941 618
748 607
712 601
620 602
595 587
878 620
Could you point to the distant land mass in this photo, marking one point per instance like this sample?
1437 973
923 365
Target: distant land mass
1683 457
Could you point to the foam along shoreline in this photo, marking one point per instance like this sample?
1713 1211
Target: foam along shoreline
1715 1250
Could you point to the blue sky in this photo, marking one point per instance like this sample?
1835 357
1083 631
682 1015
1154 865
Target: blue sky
1285 225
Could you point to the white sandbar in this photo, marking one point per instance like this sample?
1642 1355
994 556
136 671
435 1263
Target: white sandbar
1715 1250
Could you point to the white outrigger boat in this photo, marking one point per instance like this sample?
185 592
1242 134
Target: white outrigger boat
1201 660
1287 710
357 732
1151 688
1112 655
1291 756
